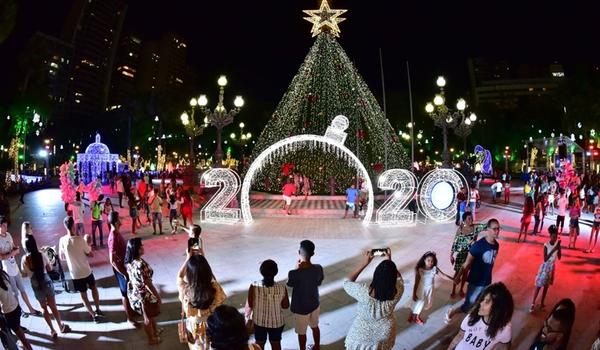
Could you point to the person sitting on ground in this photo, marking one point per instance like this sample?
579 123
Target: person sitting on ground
227 331
374 326
488 321
265 304
556 331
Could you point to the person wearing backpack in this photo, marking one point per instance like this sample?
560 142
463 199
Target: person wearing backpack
97 209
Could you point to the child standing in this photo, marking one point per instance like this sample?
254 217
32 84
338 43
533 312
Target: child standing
425 273
594 232
528 210
133 213
574 214
545 276
173 205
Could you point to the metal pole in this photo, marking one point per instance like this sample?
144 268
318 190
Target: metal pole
412 139
386 140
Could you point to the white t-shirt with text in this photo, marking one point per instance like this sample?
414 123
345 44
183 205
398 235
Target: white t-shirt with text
75 250
6 246
475 337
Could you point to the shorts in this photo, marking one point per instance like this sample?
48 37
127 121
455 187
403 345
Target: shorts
44 290
82 284
574 223
260 334
16 283
287 199
473 293
13 319
303 321
172 214
156 217
498 194
122 282
596 224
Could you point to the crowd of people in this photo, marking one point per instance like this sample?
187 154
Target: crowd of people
207 322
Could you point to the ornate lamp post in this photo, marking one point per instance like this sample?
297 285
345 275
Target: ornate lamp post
220 117
445 118
191 128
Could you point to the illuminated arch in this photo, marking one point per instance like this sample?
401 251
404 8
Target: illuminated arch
301 139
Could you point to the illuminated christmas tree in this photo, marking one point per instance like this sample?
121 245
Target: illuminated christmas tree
327 85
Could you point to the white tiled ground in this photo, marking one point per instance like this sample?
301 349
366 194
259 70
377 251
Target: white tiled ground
235 253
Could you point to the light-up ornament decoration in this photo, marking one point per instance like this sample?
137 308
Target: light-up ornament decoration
483 162
325 19
215 210
336 131
292 143
437 193
393 212
96 160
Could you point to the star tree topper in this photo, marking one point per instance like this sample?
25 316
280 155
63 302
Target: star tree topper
325 19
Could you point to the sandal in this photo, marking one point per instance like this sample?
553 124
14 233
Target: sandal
54 335
36 313
447 318
65 328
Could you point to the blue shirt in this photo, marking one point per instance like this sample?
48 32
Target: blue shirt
485 256
305 283
351 195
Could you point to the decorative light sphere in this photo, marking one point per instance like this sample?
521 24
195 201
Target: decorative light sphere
581 137
205 120
449 119
238 102
473 117
572 137
438 100
36 118
222 81
185 119
156 118
441 81
429 107
552 135
202 101
242 125
193 102
409 125
468 121
539 131
43 153
248 135
461 104
579 125
419 136
232 135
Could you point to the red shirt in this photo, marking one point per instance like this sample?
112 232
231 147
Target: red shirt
289 189
117 247
142 188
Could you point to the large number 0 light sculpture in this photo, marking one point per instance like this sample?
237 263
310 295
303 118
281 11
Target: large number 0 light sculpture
394 212
437 193
215 210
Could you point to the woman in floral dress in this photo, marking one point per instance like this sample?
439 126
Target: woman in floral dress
143 296
466 234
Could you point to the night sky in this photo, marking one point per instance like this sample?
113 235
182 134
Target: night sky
260 45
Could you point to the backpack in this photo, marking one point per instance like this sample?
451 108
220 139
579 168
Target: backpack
96 211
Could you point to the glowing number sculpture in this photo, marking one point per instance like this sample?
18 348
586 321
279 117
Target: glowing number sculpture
437 193
394 212
215 209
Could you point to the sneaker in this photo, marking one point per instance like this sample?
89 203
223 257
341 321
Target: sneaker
96 319
419 321
531 308
99 313
447 318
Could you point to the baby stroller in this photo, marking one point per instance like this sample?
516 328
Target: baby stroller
57 275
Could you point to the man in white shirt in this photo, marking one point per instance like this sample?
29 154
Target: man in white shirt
473 198
74 250
77 211
8 250
496 190
563 202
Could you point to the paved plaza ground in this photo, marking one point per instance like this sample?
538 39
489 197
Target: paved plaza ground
236 251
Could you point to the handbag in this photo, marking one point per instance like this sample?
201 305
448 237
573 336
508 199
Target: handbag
182 330
151 309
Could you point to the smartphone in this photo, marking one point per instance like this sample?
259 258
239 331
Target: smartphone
379 251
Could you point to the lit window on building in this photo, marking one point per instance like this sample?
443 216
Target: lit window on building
530 89
558 74
126 73
77 101
179 80
53 64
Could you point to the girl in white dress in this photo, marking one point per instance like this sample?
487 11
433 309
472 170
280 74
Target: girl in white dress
425 273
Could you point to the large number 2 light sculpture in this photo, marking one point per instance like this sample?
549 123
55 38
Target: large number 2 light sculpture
215 210
393 212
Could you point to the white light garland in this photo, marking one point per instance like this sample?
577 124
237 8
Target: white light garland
437 193
394 212
312 141
215 210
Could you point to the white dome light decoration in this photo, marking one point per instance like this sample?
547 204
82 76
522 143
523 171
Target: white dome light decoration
579 125
215 210
441 81
437 193
336 131
572 137
393 212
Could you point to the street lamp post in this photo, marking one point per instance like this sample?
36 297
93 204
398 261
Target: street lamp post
445 118
220 117
191 128
242 139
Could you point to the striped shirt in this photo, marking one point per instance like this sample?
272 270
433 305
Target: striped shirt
267 311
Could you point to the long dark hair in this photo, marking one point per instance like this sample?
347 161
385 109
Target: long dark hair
268 269
569 314
3 279
384 280
133 249
199 276
226 329
421 262
37 261
502 308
